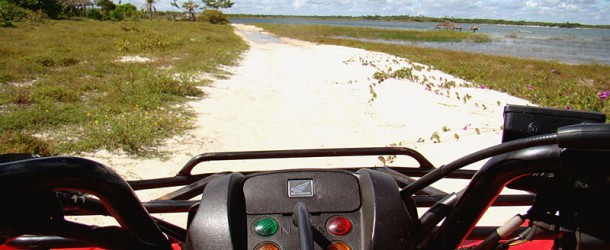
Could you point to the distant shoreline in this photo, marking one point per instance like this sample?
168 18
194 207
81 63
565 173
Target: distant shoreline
419 19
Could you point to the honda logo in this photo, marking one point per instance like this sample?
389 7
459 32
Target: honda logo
300 188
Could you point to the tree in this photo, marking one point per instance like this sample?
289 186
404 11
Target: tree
211 13
213 17
10 12
190 6
51 8
107 6
217 4
150 7
124 11
175 4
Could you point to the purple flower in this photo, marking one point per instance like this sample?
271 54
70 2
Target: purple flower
465 127
603 95
528 87
483 86
427 88
568 107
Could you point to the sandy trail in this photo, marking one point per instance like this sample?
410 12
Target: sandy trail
288 94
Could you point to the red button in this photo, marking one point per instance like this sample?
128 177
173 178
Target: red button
338 225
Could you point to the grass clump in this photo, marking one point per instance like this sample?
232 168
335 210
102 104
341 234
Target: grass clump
547 83
24 143
75 94
321 32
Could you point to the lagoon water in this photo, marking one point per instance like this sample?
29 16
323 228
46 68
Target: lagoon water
567 45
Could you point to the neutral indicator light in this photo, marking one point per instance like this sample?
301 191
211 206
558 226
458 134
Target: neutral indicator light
265 226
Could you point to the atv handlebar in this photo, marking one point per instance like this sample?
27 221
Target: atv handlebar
78 174
380 202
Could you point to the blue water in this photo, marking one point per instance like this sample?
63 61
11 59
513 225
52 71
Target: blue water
261 38
574 46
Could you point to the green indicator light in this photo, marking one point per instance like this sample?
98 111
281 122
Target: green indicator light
265 226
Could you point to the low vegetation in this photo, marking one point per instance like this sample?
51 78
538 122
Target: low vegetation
83 85
547 83
321 32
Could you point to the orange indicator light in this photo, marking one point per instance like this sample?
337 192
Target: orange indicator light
338 245
267 246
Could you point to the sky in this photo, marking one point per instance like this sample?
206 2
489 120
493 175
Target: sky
575 11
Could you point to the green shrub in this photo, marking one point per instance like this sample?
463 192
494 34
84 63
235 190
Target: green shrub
124 11
95 14
213 17
36 17
54 94
10 13
148 39
153 41
18 95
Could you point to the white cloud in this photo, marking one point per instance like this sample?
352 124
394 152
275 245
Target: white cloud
298 3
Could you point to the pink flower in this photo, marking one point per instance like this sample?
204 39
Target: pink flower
483 86
436 92
568 107
528 87
603 95
427 88
465 127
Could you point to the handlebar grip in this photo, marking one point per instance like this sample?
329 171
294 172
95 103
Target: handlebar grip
593 136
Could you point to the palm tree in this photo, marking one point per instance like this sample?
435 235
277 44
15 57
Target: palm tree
190 6
217 4
150 6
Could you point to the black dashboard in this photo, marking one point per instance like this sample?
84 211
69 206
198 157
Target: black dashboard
347 210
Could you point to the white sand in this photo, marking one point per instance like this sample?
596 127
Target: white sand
134 59
288 94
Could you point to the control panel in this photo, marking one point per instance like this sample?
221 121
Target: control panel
332 200
343 209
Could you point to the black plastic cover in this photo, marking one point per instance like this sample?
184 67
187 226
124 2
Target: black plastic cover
585 136
220 221
332 192
388 222
525 121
